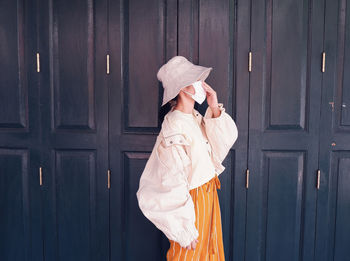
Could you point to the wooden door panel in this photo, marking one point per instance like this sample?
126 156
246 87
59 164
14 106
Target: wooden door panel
15 221
283 129
332 242
140 41
13 77
74 99
339 207
75 203
20 200
282 202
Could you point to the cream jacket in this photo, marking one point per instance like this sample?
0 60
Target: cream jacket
163 193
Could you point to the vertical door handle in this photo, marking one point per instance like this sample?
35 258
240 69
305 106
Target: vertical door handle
107 63
323 61
108 179
37 62
41 176
250 62
247 179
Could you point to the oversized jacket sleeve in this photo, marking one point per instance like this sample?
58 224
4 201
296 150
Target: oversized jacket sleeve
163 194
222 132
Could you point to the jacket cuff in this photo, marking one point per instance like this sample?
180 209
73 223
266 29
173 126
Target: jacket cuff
187 235
210 122
209 113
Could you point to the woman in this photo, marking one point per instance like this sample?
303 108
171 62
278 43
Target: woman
178 187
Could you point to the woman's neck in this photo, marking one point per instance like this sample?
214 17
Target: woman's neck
186 108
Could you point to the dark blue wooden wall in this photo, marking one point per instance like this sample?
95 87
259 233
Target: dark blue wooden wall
79 115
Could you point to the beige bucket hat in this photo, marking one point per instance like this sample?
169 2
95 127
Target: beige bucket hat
178 73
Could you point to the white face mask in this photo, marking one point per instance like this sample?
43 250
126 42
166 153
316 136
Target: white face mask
199 94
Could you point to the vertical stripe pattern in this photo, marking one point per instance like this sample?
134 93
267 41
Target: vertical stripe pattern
208 223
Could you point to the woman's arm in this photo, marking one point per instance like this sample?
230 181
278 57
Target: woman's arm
220 128
222 131
166 201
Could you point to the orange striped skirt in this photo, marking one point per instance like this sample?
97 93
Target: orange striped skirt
208 223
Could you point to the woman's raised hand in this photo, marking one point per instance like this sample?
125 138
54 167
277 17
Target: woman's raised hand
212 99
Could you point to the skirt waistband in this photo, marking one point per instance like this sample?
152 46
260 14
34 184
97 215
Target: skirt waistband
212 183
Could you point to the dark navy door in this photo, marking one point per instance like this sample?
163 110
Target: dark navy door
74 114
20 197
284 125
333 203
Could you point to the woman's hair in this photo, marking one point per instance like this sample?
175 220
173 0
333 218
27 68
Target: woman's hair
166 108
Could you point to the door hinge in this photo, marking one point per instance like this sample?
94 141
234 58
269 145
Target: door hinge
40 176
37 62
250 62
107 63
323 61
247 178
318 179
108 179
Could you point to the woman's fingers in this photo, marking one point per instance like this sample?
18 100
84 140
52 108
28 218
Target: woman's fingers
211 95
208 88
205 86
194 244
